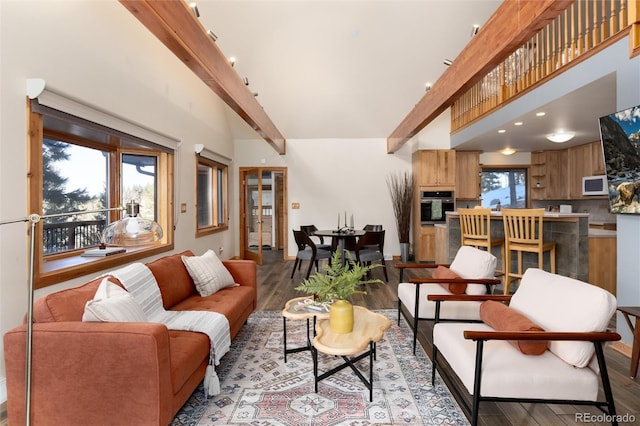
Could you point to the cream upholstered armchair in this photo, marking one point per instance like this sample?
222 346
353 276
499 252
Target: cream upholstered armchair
546 346
471 272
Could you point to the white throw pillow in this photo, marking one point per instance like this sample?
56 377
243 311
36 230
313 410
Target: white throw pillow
112 303
208 273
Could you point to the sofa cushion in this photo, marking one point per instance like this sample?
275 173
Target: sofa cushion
189 350
173 278
208 273
502 318
446 273
67 304
559 303
112 303
471 262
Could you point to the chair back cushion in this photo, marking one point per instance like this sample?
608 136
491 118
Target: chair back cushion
559 303
474 263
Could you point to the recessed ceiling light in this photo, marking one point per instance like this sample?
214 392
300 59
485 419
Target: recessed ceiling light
508 151
560 137
518 123
502 131
540 114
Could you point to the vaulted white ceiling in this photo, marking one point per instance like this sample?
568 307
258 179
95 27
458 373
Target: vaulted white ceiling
340 69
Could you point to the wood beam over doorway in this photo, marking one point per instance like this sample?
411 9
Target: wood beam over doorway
175 25
511 26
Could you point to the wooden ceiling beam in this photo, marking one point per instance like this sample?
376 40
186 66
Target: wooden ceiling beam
175 25
510 27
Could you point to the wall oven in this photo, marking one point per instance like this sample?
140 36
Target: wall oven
434 205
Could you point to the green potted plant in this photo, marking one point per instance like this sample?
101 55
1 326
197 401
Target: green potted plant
401 187
340 281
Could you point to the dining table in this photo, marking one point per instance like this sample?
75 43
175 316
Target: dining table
342 235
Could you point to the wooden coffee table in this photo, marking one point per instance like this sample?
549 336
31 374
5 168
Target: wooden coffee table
299 309
368 328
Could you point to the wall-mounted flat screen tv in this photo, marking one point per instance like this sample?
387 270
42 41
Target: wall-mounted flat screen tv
620 135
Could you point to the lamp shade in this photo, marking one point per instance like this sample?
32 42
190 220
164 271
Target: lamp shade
131 230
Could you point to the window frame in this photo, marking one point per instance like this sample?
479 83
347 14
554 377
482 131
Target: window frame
506 168
216 166
55 268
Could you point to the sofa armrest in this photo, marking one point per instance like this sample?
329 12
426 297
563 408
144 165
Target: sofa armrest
596 336
83 373
489 281
403 266
244 272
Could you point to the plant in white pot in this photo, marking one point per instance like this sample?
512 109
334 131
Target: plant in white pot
401 188
336 286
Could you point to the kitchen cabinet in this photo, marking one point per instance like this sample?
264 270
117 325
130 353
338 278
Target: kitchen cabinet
467 175
425 250
584 160
549 175
442 244
435 167
602 262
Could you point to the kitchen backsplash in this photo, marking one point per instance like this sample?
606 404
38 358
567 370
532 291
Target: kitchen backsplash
598 209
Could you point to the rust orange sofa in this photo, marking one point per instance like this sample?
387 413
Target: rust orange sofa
90 373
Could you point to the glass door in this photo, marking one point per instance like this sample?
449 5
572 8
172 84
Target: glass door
252 217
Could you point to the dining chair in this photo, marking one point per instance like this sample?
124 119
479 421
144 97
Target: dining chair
307 250
370 248
310 231
523 229
475 227
372 228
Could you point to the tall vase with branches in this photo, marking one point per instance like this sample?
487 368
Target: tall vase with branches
401 187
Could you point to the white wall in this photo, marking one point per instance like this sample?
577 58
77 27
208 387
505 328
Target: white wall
97 53
330 176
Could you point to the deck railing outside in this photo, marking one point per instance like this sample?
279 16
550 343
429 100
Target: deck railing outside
65 236
582 27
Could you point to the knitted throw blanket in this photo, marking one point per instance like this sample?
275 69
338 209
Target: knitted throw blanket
142 285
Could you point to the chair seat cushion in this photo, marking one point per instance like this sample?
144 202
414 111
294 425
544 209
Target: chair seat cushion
427 309
507 372
446 273
502 318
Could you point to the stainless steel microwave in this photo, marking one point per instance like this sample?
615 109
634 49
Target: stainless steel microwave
594 185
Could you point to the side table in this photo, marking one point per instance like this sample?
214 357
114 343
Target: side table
635 352
368 328
299 309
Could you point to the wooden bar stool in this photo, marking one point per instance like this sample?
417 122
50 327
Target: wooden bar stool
523 229
634 311
475 227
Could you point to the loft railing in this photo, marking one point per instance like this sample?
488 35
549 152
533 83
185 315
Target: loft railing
65 236
580 29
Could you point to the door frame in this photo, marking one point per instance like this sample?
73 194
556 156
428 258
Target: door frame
282 211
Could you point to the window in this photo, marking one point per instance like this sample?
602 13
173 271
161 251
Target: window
502 187
212 196
76 165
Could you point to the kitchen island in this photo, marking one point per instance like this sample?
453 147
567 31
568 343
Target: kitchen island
570 231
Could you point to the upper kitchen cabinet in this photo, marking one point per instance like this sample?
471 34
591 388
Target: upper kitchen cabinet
584 160
549 175
435 168
467 175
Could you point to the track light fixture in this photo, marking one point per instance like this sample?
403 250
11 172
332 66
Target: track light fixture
212 35
427 87
194 8
474 30
246 81
447 62
232 61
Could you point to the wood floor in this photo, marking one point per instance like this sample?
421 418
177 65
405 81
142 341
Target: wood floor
275 287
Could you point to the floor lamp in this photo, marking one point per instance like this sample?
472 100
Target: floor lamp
137 231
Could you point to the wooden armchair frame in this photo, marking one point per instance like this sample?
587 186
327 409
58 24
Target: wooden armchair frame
418 281
598 338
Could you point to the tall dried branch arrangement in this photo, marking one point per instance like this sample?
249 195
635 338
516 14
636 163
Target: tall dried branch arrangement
401 188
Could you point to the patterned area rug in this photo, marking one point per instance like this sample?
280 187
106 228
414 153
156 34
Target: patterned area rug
260 389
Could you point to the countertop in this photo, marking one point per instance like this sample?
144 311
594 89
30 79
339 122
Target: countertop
601 233
546 214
